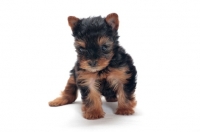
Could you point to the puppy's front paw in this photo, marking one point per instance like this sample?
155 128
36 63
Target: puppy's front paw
124 111
93 115
58 102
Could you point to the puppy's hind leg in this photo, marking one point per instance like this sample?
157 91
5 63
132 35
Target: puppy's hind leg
68 96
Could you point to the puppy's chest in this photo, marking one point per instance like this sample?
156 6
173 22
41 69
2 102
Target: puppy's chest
108 78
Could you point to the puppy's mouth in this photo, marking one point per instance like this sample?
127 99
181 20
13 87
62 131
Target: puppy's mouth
93 69
94 65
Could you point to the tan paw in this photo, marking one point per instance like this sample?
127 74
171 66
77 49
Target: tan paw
124 111
58 102
93 115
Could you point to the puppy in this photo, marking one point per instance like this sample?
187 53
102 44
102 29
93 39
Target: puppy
102 68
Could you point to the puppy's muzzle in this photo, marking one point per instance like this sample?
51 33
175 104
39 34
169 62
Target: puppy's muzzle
92 63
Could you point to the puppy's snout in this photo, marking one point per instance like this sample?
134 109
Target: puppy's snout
92 63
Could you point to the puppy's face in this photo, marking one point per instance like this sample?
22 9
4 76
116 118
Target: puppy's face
94 40
94 56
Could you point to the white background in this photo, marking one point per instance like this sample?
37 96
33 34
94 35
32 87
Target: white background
37 53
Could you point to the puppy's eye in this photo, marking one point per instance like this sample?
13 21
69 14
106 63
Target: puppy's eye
81 49
104 47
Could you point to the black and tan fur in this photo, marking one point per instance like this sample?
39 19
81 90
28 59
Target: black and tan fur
102 68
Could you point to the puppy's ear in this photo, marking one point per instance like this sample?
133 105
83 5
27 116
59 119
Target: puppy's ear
72 21
112 20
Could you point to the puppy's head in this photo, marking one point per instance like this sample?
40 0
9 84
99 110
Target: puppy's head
95 40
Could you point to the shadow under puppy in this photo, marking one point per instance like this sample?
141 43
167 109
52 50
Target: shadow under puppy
102 68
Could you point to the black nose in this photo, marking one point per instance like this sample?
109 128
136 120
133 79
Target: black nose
92 63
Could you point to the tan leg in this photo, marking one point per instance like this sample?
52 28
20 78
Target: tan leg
118 78
91 96
125 105
68 96
91 107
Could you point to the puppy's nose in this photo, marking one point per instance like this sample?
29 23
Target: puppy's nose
92 63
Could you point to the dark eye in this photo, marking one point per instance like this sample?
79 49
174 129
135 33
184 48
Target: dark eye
81 49
104 47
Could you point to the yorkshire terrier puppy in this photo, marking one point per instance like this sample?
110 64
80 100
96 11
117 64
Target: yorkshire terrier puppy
102 68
